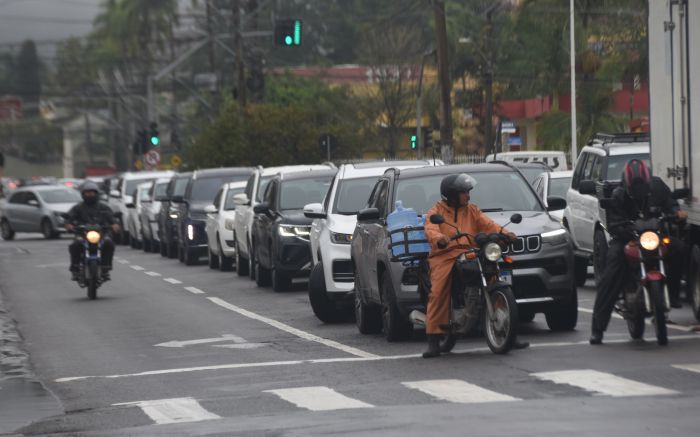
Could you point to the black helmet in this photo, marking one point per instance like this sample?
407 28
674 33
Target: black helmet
89 186
453 184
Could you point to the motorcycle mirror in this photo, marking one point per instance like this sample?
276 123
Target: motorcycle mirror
437 219
516 218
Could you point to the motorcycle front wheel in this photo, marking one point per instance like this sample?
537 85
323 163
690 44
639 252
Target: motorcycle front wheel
656 293
93 275
501 329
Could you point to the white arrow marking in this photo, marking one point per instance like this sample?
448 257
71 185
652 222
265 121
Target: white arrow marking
227 337
241 345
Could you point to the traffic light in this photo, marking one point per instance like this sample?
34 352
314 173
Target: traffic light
428 139
141 142
288 32
414 142
153 135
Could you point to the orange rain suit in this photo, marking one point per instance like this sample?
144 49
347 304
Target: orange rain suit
470 220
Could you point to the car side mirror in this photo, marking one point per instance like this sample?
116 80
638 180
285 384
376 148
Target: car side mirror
261 208
587 187
33 203
210 209
130 205
516 218
115 194
437 219
314 211
241 199
681 193
606 203
555 203
368 214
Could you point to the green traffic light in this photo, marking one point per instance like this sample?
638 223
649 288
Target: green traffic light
297 32
155 141
288 40
414 141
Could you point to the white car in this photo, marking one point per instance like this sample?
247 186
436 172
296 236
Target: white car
149 215
601 163
141 200
332 279
121 196
219 226
243 223
555 183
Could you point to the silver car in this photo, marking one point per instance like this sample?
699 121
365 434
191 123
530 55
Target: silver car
37 209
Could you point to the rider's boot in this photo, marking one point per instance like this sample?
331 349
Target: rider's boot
596 336
74 273
105 273
433 346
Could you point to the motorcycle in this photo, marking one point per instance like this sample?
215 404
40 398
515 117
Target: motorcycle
646 294
482 293
89 269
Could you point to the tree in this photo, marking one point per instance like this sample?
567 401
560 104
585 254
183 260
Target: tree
28 73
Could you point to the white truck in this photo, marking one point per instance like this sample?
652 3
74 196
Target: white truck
674 61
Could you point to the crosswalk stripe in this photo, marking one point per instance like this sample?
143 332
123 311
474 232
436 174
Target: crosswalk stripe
455 390
176 410
603 383
318 398
689 367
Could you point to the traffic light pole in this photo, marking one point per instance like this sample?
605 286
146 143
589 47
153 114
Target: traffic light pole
238 47
445 84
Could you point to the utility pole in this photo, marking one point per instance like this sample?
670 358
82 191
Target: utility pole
488 128
446 149
210 32
238 47
572 66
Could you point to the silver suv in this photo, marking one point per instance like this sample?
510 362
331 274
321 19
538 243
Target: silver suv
601 161
386 291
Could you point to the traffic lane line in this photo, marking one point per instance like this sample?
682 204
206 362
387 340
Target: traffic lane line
172 281
138 268
154 274
194 290
336 360
647 322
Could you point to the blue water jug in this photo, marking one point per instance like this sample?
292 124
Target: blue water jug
407 234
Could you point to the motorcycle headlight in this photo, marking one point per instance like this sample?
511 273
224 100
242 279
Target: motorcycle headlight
554 237
190 232
492 252
339 238
302 232
649 240
93 237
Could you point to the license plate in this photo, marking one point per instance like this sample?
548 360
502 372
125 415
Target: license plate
507 277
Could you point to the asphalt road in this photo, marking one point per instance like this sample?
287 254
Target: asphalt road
175 350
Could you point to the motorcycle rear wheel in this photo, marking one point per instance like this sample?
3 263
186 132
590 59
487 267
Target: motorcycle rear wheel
502 331
656 293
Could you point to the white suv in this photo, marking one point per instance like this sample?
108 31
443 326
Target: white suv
219 228
243 222
601 161
331 283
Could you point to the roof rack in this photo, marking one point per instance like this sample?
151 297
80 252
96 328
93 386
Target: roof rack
625 137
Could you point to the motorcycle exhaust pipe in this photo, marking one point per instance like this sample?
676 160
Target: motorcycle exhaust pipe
417 318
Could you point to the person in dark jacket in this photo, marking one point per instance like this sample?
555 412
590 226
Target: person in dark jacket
638 194
91 212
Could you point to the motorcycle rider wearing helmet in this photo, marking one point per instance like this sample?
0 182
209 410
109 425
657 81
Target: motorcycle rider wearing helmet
91 212
638 193
456 210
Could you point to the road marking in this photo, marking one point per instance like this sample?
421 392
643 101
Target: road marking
689 367
334 360
227 337
153 273
455 390
194 290
318 399
122 261
241 345
45 266
294 331
172 281
647 322
176 410
137 268
603 383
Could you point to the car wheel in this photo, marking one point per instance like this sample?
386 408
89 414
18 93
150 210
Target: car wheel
693 285
600 251
262 275
212 259
580 271
172 250
125 238
190 258
563 316
324 308
241 263
394 326
368 318
281 280
47 229
180 254
6 230
146 244
225 262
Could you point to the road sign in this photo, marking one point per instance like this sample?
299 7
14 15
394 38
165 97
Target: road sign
152 158
175 161
507 127
138 165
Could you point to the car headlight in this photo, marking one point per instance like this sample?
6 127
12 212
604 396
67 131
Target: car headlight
339 238
228 224
173 215
295 231
557 236
190 232
492 252
93 237
649 240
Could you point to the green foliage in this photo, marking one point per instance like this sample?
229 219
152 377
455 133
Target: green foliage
28 72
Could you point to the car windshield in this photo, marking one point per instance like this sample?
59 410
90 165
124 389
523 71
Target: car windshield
298 192
617 162
204 189
513 193
181 186
60 196
230 205
559 186
352 194
143 194
262 186
160 190
531 173
133 183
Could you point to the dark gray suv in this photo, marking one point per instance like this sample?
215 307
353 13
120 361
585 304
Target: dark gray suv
386 291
